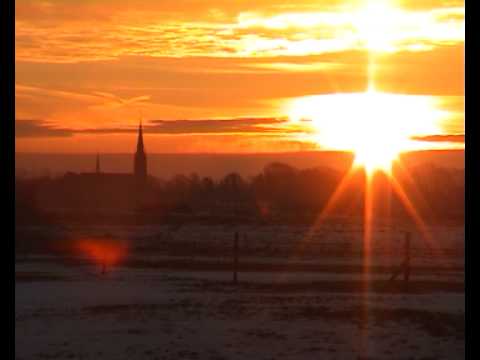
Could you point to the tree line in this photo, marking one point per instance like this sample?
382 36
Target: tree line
279 190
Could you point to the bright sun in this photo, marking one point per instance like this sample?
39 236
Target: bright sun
375 126
379 24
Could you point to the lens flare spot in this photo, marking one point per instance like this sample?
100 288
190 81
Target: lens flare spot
102 251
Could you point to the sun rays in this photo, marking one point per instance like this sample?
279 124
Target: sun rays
376 127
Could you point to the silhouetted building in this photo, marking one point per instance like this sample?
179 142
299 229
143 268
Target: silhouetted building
97 169
99 191
140 160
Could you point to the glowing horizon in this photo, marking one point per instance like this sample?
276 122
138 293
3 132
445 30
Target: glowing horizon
114 61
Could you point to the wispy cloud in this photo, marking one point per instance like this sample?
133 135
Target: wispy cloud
454 138
95 67
38 128
211 126
252 30
261 126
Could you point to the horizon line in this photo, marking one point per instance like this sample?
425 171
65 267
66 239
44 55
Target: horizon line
227 153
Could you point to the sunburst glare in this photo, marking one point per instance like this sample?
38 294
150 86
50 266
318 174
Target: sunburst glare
375 126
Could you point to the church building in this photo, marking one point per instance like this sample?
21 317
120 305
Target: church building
140 160
102 191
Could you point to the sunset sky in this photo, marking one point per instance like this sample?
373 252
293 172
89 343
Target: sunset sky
238 75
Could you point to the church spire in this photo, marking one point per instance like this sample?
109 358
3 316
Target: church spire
97 169
140 148
140 160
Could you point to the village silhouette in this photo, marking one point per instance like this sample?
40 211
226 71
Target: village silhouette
279 196
280 193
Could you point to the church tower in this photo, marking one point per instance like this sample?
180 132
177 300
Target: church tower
97 167
140 160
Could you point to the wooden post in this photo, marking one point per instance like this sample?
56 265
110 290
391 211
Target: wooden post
406 274
104 264
235 258
245 243
405 266
193 250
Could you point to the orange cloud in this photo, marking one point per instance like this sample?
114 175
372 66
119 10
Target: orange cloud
103 65
44 32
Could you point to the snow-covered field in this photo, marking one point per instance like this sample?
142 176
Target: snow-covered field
144 308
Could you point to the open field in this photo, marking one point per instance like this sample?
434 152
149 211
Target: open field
172 297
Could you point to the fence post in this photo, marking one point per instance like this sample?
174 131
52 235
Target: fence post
235 258
405 266
406 273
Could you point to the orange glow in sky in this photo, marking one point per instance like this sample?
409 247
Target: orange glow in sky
376 126
365 73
